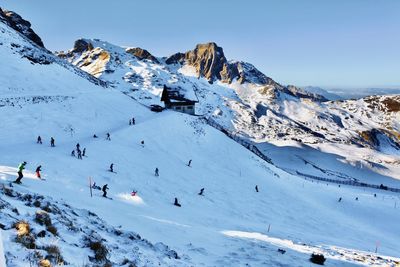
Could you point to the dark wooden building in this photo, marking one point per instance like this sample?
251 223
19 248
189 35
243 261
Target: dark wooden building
174 100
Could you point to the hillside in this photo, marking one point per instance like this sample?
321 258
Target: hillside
230 225
280 120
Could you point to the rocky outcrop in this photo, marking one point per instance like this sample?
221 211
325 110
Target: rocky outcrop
22 26
210 62
141 54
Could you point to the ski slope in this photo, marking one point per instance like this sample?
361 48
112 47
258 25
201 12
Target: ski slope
228 226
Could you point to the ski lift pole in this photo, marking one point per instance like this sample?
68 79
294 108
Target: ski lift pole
90 186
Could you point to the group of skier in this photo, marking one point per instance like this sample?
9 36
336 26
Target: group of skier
82 153
21 168
39 141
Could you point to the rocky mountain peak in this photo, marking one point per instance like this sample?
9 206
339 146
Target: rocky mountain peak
22 26
82 45
141 54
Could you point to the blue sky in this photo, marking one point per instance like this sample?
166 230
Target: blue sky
342 43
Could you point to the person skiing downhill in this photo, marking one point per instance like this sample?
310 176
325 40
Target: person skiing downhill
38 170
52 141
108 137
21 167
79 154
201 192
176 203
84 152
257 188
156 172
112 167
190 162
39 140
104 189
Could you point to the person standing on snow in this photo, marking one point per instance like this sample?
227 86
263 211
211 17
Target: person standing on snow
39 140
190 162
52 141
21 167
79 154
84 152
73 153
112 167
104 189
201 192
78 146
156 172
133 121
38 170
257 188
108 137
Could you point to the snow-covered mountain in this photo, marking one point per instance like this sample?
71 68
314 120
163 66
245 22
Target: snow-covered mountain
249 104
56 218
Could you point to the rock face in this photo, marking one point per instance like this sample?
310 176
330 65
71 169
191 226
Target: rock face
16 22
141 54
210 62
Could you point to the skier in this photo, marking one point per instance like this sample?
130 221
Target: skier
257 188
133 193
190 162
52 142
73 153
176 203
108 137
79 154
21 167
130 122
38 170
133 120
104 189
156 172
39 140
95 136
78 146
357 198
112 167
142 143
94 186
374 195
84 152
201 192
340 199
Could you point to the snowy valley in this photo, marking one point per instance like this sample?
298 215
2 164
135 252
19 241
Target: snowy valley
97 87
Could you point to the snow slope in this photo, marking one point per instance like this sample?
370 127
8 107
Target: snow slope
231 225
264 112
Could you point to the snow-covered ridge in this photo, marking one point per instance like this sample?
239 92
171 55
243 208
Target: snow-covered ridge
230 224
252 105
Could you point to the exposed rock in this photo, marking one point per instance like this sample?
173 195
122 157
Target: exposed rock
22 26
82 45
210 62
141 54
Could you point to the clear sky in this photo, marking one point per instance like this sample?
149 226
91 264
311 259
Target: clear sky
328 43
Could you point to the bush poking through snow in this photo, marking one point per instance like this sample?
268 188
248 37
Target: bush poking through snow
54 255
44 263
317 259
23 235
42 218
99 249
